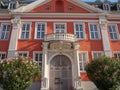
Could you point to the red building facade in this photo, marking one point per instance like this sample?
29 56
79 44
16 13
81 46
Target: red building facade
62 36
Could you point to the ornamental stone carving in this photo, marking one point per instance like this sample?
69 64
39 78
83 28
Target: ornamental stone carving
60 46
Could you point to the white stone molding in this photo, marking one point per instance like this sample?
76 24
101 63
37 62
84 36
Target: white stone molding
105 38
14 36
52 49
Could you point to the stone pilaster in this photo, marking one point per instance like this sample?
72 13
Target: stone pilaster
14 36
105 38
45 68
77 77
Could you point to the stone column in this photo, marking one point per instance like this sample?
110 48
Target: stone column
77 77
14 37
45 68
105 38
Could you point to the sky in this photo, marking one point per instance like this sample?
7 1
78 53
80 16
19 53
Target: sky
101 0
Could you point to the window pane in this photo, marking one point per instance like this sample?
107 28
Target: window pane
6 36
77 34
38 34
92 35
115 35
27 34
3 34
42 34
91 27
77 28
23 35
96 35
81 35
110 29
111 36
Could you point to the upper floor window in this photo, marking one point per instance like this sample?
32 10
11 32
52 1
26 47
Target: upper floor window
4 32
106 7
23 53
25 32
79 31
96 54
60 28
113 32
37 57
83 58
118 7
40 31
94 31
2 55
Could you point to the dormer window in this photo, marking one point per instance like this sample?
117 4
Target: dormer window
118 7
12 5
106 7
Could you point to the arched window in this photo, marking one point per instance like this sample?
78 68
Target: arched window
118 6
106 6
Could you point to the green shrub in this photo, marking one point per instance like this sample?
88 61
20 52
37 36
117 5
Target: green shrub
18 73
105 73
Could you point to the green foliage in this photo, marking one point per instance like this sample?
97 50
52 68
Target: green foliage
105 73
18 74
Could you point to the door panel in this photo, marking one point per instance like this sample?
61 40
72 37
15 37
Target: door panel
60 73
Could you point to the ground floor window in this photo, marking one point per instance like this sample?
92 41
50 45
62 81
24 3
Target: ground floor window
37 57
23 53
83 58
117 54
2 55
96 54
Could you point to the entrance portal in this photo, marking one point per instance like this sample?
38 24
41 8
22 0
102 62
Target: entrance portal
60 73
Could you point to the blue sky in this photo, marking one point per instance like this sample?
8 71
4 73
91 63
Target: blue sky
101 0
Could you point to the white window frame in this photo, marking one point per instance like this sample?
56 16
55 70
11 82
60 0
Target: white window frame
3 53
118 7
116 27
38 52
84 32
116 52
29 30
98 30
105 5
97 52
36 24
23 52
2 24
65 30
87 60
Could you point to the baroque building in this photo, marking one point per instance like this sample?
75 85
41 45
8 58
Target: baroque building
62 36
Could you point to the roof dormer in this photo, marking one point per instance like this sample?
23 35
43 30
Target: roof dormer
118 5
106 5
13 5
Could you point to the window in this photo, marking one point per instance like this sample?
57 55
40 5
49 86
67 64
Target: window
23 53
113 32
40 31
94 31
96 54
25 32
38 58
117 54
79 31
106 7
60 28
12 5
83 60
118 7
5 30
2 55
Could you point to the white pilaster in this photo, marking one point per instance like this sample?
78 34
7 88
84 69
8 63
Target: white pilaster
14 36
105 38
77 77
45 68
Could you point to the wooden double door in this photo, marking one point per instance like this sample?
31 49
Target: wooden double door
60 73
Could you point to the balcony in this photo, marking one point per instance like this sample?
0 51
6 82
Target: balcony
60 37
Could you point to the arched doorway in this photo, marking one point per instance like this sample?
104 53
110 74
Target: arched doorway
60 73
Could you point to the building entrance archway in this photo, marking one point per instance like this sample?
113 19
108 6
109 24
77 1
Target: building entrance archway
60 73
